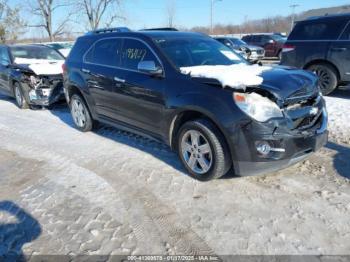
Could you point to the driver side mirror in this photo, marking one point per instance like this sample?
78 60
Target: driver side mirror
150 67
271 41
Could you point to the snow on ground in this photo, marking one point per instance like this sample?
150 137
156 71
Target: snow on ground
112 192
338 105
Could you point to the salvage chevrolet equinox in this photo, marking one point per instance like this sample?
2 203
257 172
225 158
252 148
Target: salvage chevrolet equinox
199 97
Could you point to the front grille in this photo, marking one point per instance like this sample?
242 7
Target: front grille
308 122
305 111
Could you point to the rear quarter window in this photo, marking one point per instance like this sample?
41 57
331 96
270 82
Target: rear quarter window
318 30
105 52
79 48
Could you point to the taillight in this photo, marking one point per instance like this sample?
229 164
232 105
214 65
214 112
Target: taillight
64 68
288 48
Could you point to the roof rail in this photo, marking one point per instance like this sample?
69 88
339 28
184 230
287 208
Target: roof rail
110 30
160 29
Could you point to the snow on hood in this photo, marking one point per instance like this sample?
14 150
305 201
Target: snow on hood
237 76
42 66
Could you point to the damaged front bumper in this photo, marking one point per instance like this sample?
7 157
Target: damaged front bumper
261 148
46 91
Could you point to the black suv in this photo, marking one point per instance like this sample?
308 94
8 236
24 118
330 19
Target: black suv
322 45
32 74
137 81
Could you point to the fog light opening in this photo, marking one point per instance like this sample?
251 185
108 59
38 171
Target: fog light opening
263 148
33 95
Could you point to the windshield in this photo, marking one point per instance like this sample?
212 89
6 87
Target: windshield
196 51
35 52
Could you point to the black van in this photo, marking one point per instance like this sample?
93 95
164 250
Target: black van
322 45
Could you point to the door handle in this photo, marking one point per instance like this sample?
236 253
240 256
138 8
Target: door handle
339 49
85 70
119 80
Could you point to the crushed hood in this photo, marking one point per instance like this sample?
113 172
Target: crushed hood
42 66
284 82
237 76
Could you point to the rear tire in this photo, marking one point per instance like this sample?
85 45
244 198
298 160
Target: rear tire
80 113
279 55
202 150
327 75
21 102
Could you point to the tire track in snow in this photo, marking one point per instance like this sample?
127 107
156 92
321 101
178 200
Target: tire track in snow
162 225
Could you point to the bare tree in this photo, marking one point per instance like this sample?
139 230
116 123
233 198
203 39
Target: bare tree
45 10
98 12
11 24
171 12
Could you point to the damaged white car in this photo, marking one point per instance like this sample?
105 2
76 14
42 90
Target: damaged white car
31 74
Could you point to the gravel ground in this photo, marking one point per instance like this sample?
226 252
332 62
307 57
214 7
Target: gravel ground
111 192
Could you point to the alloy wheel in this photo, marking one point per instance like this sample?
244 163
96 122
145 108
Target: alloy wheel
78 113
196 152
324 77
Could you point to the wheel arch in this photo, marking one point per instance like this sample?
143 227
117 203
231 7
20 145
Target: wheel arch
191 114
73 89
323 61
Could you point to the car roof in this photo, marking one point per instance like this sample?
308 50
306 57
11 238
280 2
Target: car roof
327 16
158 33
146 33
27 45
226 37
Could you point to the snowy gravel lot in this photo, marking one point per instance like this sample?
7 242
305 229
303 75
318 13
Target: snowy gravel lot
111 192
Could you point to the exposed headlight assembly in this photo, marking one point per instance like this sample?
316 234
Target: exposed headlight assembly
256 106
34 81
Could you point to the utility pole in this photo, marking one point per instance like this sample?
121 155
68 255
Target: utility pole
293 14
212 2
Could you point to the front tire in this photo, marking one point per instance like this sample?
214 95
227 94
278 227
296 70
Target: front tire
202 150
80 113
327 75
21 102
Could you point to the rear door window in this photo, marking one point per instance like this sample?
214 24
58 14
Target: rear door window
105 52
318 30
133 52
